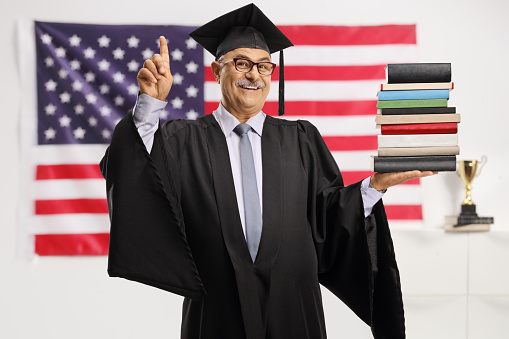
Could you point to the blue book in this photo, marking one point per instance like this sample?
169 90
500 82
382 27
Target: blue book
414 94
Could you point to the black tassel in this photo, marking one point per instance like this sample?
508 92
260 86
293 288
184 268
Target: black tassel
281 107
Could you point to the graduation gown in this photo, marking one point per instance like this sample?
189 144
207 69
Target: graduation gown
175 225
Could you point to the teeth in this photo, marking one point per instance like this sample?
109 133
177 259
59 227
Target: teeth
248 85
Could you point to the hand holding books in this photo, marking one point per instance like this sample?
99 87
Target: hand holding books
382 181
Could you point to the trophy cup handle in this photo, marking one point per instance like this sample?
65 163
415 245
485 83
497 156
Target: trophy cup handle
482 162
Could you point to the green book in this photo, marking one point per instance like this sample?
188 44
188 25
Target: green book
412 103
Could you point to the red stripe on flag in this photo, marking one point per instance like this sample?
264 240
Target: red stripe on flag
351 177
404 212
323 73
43 207
323 108
83 171
332 73
350 35
72 244
352 143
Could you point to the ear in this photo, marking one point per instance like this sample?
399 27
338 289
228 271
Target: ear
216 69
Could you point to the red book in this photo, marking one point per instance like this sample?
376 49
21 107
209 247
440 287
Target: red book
440 128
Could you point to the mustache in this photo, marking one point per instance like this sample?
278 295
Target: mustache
248 83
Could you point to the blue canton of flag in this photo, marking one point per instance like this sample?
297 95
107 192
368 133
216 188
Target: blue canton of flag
86 77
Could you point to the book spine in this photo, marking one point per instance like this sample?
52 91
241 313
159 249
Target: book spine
438 128
424 163
416 119
469 220
417 110
416 86
417 151
414 94
417 140
418 72
412 103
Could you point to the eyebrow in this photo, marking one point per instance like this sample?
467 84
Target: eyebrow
246 57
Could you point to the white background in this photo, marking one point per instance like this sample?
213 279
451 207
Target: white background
455 285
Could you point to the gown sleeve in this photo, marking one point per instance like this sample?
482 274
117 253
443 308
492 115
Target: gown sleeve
356 254
147 237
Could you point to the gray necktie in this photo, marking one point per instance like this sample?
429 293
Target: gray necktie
252 210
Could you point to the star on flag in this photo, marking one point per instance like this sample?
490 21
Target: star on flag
133 42
51 85
75 40
49 62
89 53
177 55
104 41
118 54
77 86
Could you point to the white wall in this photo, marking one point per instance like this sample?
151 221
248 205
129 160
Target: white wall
455 285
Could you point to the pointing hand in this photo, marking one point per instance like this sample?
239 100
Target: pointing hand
155 78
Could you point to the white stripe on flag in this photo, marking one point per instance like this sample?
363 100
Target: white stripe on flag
70 189
411 225
353 160
403 195
68 154
70 224
353 125
95 188
312 90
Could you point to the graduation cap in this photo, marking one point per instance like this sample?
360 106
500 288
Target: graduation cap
245 27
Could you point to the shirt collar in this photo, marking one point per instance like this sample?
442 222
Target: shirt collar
228 122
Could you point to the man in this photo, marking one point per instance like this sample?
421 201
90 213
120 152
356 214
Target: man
246 224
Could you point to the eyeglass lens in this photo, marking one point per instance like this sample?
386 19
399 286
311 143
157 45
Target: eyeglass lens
244 65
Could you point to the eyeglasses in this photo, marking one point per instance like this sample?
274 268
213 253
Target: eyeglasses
245 66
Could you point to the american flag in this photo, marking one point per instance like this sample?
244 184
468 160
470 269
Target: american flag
86 81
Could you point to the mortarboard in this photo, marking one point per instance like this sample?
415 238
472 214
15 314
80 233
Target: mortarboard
244 27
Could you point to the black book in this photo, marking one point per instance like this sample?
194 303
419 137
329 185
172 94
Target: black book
438 163
418 72
471 219
418 110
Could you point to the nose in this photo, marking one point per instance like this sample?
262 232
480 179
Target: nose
253 73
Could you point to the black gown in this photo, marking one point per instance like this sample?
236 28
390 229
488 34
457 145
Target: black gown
175 225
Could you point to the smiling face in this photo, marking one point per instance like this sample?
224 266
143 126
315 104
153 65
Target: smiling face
242 94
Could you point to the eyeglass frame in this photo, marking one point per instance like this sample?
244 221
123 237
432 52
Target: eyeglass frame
253 64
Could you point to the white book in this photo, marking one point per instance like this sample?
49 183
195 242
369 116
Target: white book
417 151
417 140
416 119
416 86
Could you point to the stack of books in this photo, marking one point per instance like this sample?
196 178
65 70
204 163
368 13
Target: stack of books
418 129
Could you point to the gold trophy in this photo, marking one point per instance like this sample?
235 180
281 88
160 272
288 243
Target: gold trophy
468 170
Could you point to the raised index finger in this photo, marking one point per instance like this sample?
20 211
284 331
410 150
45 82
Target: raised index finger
164 51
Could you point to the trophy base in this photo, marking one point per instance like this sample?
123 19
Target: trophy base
469 216
468 210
